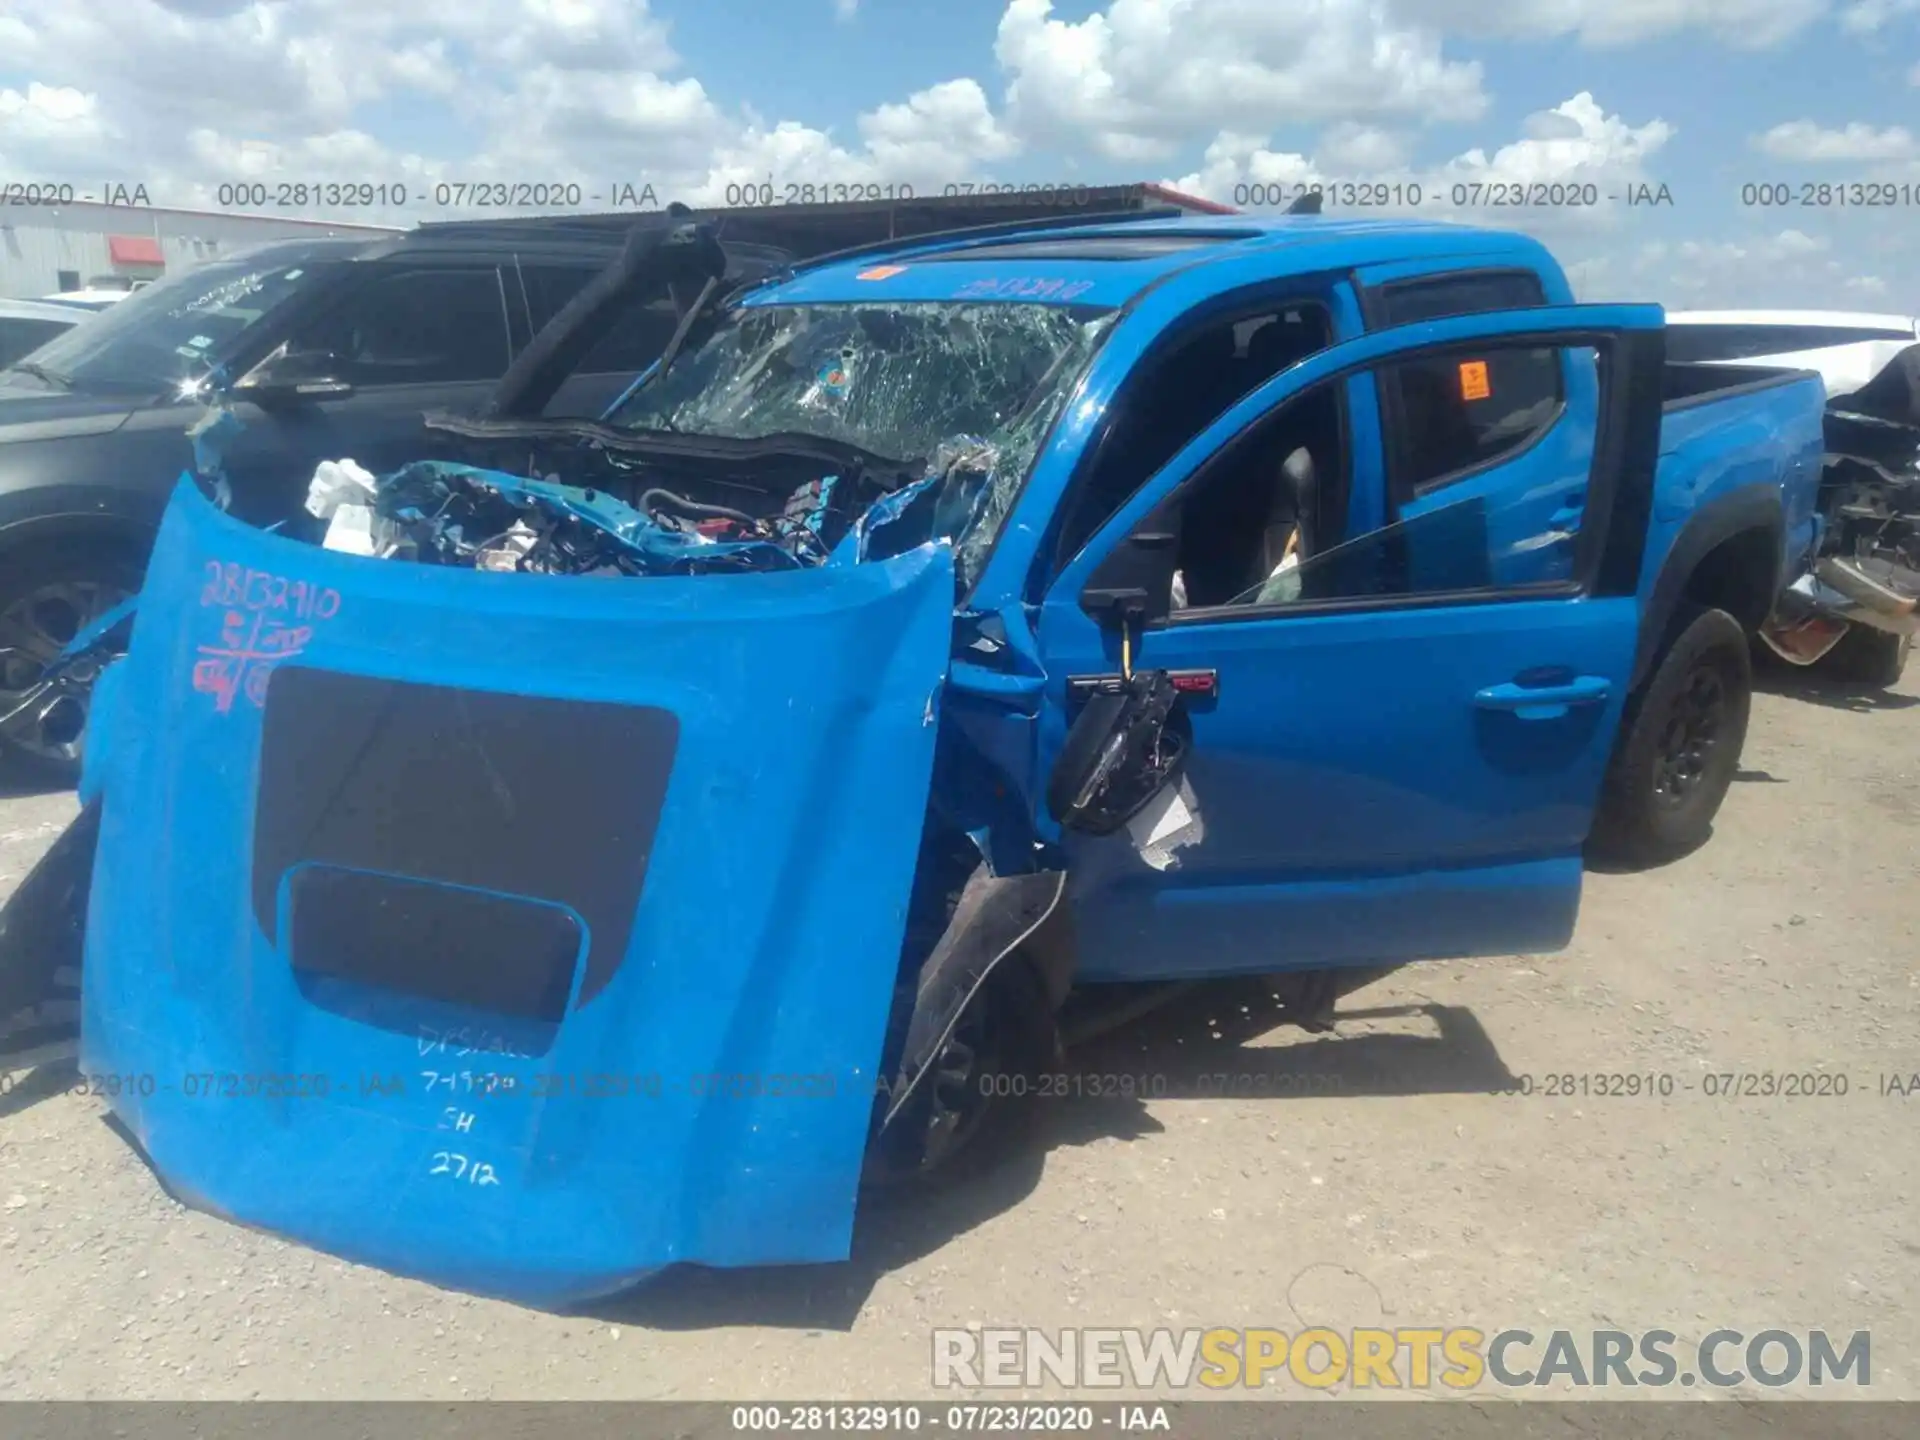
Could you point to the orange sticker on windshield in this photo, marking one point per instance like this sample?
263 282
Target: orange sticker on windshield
880 272
1473 380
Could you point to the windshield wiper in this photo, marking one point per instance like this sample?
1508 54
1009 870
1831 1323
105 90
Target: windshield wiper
687 444
707 301
41 373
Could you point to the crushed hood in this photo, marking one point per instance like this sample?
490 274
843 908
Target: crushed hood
523 933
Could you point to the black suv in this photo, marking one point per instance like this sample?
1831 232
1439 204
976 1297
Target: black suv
324 350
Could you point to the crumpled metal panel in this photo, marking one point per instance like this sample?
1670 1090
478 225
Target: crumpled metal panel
704 1095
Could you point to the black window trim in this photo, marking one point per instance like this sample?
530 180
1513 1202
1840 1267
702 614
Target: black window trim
1376 299
1230 307
1597 570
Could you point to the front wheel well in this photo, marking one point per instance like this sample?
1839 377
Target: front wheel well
77 534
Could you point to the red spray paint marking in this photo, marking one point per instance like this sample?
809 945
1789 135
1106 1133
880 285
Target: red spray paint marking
261 625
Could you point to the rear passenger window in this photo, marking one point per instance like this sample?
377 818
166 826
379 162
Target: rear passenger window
1456 415
1445 419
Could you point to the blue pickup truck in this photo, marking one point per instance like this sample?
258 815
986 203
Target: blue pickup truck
609 842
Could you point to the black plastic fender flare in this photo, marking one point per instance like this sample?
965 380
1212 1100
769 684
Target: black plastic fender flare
996 916
1754 507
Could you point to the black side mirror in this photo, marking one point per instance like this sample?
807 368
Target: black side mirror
293 377
1120 753
1134 584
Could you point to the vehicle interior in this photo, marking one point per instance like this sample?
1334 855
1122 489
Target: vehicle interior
1258 501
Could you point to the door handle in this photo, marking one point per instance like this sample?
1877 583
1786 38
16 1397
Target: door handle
1572 510
1544 702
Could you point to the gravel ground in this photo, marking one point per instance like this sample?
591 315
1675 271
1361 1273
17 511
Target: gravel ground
1374 1176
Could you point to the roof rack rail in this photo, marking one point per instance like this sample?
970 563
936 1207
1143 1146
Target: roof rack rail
613 226
980 234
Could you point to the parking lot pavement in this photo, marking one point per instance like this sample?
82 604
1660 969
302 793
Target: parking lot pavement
1374 1176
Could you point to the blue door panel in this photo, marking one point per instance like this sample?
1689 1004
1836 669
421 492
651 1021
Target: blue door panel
1351 756
1410 780
1160 933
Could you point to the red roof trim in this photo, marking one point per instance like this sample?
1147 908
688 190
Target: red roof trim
135 250
1186 201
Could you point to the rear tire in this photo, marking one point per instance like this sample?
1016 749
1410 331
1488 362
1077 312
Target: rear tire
1679 745
1866 656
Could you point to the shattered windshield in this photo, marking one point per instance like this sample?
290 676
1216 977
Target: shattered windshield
167 333
912 382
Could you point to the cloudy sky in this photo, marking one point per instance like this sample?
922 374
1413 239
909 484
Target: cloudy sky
1705 97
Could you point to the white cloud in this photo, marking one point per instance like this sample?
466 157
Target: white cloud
1868 17
1751 24
51 132
49 111
184 94
1233 160
1803 140
1830 265
1575 143
1142 77
845 9
1352 148
935 128
1575 140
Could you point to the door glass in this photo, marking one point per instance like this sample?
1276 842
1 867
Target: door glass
1254 521
413 327
1176 394
1457 414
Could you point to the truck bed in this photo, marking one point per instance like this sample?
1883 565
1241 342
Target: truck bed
1737 435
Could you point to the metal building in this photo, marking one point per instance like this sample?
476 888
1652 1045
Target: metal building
45 249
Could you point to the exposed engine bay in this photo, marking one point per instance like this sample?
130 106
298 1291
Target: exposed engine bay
653 517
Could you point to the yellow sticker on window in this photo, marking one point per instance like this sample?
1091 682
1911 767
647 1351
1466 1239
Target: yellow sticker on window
880 272
1473 380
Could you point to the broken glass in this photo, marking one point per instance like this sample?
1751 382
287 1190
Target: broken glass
966 390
